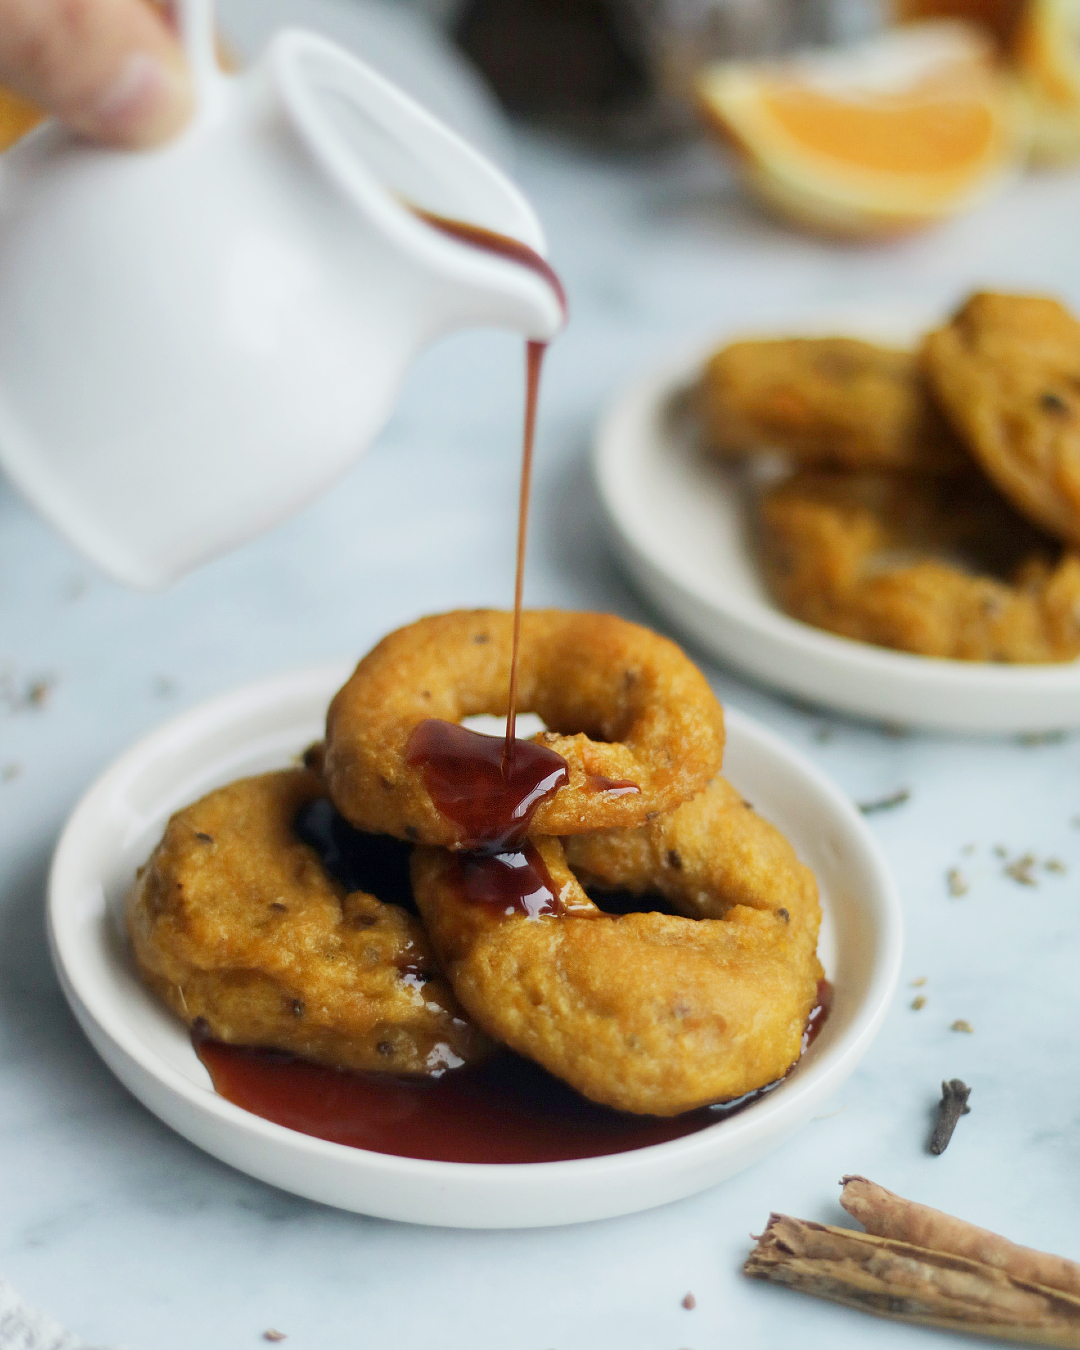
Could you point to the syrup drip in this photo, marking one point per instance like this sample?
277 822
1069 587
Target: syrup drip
502 245
472 784
506 1110
493 800
492 789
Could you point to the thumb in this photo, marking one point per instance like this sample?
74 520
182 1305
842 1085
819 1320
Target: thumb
111 69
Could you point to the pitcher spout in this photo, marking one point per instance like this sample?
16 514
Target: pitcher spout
463 230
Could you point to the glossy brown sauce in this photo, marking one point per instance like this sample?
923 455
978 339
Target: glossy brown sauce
507 1110
493 798
502 245
473 785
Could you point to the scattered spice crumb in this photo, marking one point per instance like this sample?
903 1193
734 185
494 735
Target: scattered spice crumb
1020 869
37 692
272 1335
953 1105
956 882
918 982
33 694
968 850
1074 821
1055 865
164 687
823 735
895 731
689 1302
919 1002
10 771
897 798
962 1024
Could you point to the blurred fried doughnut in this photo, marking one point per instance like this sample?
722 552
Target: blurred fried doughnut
712 852
235 922
939 567
621 703
650 1013
825 401
1006 371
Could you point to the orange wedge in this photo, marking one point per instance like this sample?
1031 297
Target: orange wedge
1041 41
883 137
1047 60
17 116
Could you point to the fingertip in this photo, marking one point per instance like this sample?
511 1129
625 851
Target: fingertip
148 101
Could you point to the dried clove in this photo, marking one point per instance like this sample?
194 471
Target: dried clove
954 1098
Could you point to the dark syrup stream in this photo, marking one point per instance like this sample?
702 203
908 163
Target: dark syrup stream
507 1109
492 788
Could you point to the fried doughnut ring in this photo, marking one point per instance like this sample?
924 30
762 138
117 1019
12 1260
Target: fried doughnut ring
234 921
936 567
621 703
825 401
712 852
650 1013
1006 372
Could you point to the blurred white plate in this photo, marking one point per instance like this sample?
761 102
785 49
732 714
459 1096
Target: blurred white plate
678 524
262 727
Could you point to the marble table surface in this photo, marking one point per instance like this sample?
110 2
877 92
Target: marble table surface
133 1237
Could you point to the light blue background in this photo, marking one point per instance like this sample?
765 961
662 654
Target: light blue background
132 1236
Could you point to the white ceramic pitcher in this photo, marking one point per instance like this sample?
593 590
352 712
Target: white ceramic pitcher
196 340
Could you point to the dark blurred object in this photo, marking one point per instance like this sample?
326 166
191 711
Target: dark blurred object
619 68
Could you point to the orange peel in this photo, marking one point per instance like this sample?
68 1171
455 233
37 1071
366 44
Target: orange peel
879 138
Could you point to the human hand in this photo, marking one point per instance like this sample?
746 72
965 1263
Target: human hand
111 69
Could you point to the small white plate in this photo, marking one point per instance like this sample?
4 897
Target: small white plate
678 524
264 726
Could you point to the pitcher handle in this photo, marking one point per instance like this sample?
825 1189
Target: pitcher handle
197 30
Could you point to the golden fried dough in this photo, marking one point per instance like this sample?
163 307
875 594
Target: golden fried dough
712 852
649 1013
825 401
235 922
1006 371
938 567
620 702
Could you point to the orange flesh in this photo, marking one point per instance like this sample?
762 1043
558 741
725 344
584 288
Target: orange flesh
886 135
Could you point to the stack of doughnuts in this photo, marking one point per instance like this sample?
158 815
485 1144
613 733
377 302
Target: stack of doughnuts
700 993
932 499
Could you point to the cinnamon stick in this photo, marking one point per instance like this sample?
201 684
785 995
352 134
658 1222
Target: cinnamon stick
914 1284
891 1216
